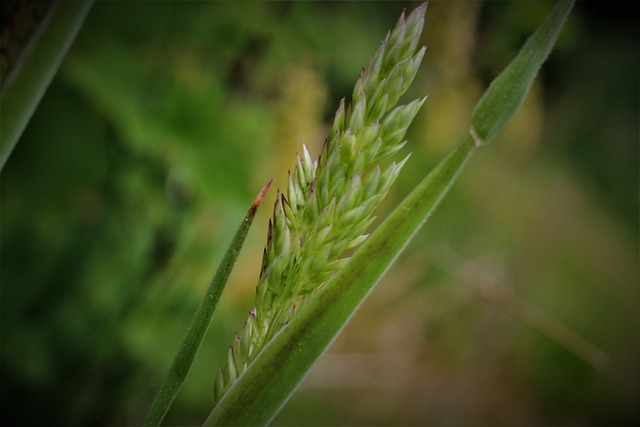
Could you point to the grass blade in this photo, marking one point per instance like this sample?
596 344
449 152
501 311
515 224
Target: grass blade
200 323
26 83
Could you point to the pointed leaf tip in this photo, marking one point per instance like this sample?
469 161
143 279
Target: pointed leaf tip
260 196
507 91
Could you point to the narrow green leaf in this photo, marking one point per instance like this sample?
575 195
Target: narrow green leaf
26 83
503 98
200 323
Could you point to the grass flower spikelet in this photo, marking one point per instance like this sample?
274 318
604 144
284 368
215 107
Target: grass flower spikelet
329 202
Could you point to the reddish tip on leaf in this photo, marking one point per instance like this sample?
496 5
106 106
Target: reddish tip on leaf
259 197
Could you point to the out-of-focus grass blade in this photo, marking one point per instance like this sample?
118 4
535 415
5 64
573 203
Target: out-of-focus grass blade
265 386
201 320
25 84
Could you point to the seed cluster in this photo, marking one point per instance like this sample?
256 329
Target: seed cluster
329 203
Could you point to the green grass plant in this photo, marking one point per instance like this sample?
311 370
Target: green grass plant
308 288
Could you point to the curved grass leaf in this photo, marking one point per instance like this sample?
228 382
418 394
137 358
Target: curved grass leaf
35 67
265 385
201 320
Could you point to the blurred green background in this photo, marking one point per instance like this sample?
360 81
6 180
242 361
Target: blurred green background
166 119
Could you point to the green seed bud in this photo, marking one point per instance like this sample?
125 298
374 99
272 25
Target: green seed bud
358 116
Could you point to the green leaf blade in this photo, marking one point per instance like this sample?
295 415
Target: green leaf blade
201 320
25 85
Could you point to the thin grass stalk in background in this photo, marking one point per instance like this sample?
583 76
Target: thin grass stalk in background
489 288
